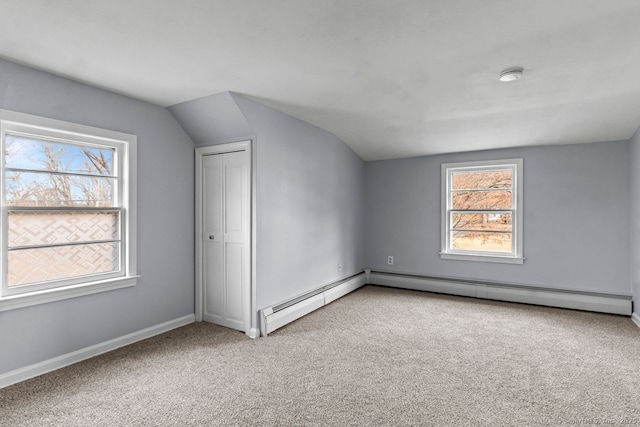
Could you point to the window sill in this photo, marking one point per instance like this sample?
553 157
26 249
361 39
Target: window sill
50 295
483 258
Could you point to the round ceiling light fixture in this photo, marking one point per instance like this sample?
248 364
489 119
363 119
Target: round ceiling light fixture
511 74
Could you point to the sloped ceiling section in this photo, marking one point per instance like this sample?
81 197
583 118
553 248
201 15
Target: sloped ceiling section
391 79
213 119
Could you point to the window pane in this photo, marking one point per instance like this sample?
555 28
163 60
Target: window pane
31 153
480 180
481 241
485 221
481 200
43 264
44 189
42 228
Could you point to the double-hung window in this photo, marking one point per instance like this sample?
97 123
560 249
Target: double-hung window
482 211
68 210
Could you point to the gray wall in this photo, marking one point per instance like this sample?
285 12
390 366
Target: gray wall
576 217
309 194
165 223
634 160
310 205
212 120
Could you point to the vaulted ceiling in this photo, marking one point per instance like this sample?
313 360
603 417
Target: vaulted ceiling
391 78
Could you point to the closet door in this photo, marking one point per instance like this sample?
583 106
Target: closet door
225 238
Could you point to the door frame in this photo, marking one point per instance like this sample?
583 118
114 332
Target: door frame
247 293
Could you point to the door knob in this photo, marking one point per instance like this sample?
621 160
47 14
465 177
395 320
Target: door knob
211 237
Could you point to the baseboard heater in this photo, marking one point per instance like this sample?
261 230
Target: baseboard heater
577 300
275 317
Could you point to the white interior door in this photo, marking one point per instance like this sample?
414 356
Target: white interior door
225 239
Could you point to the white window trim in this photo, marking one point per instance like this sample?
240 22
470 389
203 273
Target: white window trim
128 151
512 258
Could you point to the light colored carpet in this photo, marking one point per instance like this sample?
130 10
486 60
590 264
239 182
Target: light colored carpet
378 356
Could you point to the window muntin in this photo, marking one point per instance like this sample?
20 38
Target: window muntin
482 211
67 206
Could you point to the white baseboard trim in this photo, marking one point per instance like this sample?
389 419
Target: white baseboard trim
31 371
272 318
253 333
636 319
588 301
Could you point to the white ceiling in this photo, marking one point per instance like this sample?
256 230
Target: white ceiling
391 78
